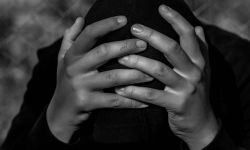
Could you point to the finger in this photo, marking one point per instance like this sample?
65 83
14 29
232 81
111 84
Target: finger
91 33
114 78
76 29
108 100
70 35
200 33
188 39
101 54
150 96
170 48
203 46
154 68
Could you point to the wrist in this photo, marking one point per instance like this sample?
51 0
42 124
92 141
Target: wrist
59 128
204 135
64 121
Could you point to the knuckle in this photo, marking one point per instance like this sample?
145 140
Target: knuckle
112 77
159 70
125 45
190 30
102 50
151 95
132 104
181 104
83 100
196 75
116 102
77 86
173 46
109 76
69 68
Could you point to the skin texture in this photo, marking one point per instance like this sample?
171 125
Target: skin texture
185 97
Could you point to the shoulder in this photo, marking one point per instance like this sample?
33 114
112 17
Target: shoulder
235 52
41 86
234 49
50 52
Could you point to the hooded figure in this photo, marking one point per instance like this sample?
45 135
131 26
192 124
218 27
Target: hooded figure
127 125
148 125
30 130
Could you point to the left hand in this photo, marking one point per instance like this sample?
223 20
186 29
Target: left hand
186 94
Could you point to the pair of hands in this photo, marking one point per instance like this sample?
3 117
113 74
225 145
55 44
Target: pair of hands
186 94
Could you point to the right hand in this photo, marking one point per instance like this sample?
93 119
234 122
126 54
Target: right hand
79 84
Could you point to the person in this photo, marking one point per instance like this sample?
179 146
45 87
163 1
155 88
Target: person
63 104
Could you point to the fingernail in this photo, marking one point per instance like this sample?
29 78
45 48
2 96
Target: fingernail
78 19
148 78
120 91
137 28
121 19
141 44
165 8
124 60
143 106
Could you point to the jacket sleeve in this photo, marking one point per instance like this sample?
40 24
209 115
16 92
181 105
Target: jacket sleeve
222 141
29 129
236 51
40 137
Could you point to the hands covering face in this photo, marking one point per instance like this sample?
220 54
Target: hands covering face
185 97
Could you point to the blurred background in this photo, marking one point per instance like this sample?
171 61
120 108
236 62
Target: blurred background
27 25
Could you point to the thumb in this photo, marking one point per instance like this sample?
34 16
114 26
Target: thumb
200 33
70 36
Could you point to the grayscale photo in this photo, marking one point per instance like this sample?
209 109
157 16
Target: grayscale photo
125 74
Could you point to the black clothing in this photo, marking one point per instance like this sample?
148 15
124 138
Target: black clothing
147 126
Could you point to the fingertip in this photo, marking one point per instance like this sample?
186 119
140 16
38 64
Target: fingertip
166 12
143 106
164 8
121 20
199 31
137 28
120 91
72 32
79 21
